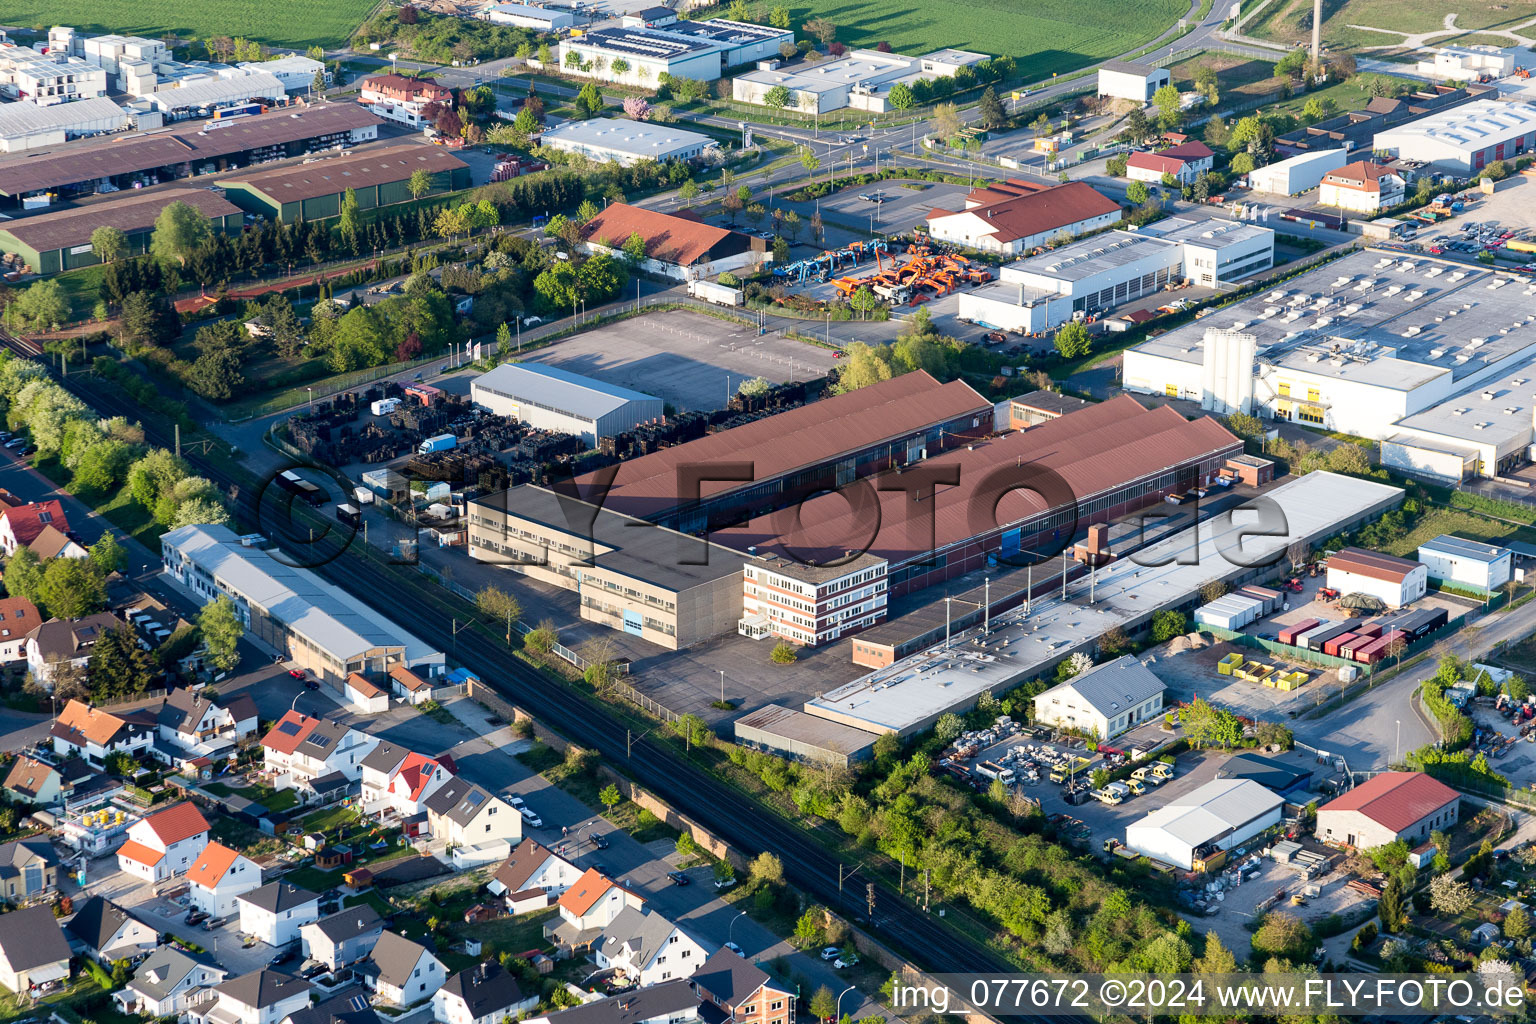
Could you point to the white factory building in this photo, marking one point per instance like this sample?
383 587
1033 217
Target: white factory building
549 398
1105 701
684 49
1013 217
1469 564
626 141
1126 80
1298 174
296 72
1464 139
1468 63
1434 358
190 98
1219 815
25 125
1116 267
540 19
862 80
48 78
944 63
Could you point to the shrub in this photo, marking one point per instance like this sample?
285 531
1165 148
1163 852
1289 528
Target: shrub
783 653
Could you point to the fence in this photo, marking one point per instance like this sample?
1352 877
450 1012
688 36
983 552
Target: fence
328 386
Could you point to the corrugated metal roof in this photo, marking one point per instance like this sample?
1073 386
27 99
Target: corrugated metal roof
339 173
1206 813
1472 550
1373 564
1052 209
1395 800
26 118
553 387
129 212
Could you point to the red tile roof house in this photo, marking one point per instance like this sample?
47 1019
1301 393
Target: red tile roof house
164 844
402 99
1362 186
1185 162
22 524
679 246
1010 221
1390 806
219 875
409 686
18 617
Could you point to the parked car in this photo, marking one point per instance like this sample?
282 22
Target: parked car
531 817
215 922
678 878
27 449
725 883
283 956
831 953
600 841
847 960
297 673
310 684
736 949
15 442
195 917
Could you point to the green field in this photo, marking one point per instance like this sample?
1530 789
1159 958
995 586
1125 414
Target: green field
1043 37
295 23
1290 21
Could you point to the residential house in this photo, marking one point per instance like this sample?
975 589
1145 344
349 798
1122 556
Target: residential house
671 1002
218 876
402 972
21 524
314 754
106 932
1186 162
348 1005
743 991
275 912
405 100
587 907
377 769
18 617
531 876
483 994
416 779
164 844
65 642
342 938
1362 187
94 734
261 997
28 869
33 951
52 542
31 781
168 983
198 725
363 696
409 686
647 948
481 826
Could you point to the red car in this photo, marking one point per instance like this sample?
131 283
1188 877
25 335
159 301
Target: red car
297 673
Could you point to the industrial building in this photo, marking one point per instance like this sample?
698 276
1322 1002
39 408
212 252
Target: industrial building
862 80
1295 175
1362 344
796 734
289 610
1037 407
738 42
51 243
627 142
313 191
677 245
1013 218
1099 273
48 78
1467 564
1209 820
26 125
1103 702
1186 162
1356 129
295 72
1395 581
683 49
944 63
817 446
1277 776
1468 63
967 509
1362 187
202 97
1464 139
812 604
1127 80
665 587
540 19
206 148
1388 807
910 694
549 398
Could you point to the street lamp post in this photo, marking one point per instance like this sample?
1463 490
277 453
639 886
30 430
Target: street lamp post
1397 743
730 932
840 995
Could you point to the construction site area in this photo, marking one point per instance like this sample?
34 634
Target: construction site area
922 273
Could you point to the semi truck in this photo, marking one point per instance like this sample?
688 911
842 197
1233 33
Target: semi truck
719 294
437 443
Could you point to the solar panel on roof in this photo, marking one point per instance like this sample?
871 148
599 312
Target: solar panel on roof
474 799
319 740
289 728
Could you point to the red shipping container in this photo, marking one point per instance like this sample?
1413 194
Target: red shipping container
1331 647
1347 650
1289 634
1372 629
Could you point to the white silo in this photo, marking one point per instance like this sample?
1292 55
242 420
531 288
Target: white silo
1228 364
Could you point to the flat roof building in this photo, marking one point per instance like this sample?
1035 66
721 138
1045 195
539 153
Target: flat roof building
318 626
1464 139
212 146
1274 775
1356 129
796 734
549 398
643 55
944 63
201 98
1469 564
1127 80
313 191
51 243
862 80
739 42
48 78
26 125
1216 817
1037 407
540 19
627 142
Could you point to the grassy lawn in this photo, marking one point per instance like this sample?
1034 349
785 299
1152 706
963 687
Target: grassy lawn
373 899
328 819
271 799
1351 95
509 934
82 288
312 878
1290 20
435 711
1445 520
1043 38
295 23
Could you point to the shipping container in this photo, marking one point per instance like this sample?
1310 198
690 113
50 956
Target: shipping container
1333 644
1347 650
1289 634
350 515
1370 629
1272 598
719 294
1315 639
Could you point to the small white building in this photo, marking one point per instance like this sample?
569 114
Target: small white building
402 972
167 983
275 912
1127 80
106 932
484 994
549 398
639 56
861 80
218 876
627 142
1468 63
1361 187
540 19
465 815
164 844
296 72
1105 701
944 63
1395 581
1470 564
1217 816
1184 162
1298 174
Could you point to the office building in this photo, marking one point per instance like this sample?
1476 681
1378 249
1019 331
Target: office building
1104 701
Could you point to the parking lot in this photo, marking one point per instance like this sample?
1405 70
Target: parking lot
688 360
1511 209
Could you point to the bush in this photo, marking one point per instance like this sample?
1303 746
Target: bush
783 653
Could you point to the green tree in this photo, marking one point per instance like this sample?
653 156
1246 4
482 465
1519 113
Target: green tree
1242 163
118 666
948 727
1137 127
221 631
900 97
1283 936
809 160
108 243
1168 624
610 796
216 374
107 554
823 1003
783 653
179 230
766 870
1137 193
1318 108
42 306
1390 907
419 183
351 221
1207 725
991 110
634 247
71 588
1166 100
1073 340
24 576
779 16
778 98
589 101
1517 924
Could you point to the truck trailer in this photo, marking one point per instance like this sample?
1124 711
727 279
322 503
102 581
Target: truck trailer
437 443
